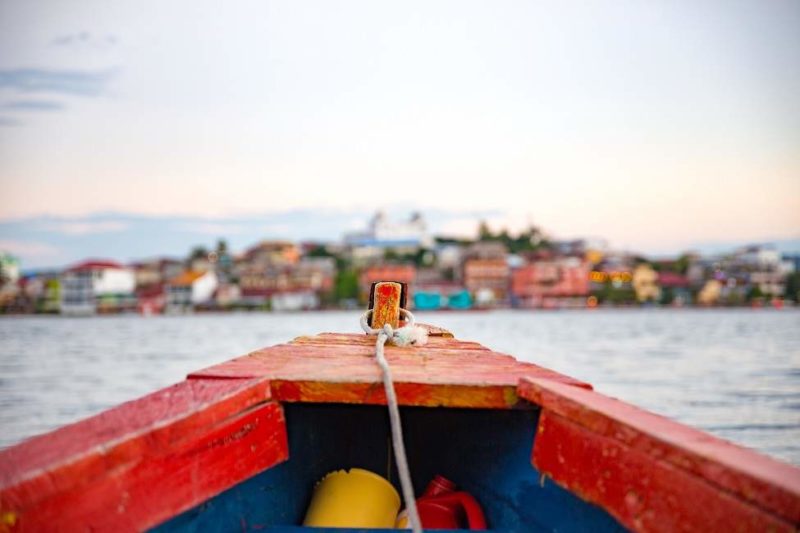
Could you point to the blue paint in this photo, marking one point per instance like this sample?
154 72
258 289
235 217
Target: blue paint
427 301
459 300
486 452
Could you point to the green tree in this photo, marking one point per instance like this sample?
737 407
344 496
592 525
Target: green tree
390 254
485 232
320 251
682 264
346 285
754 293
198 252
792 291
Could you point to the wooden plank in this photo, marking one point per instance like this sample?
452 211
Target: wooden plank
643 493
144 461
342 368
487 397
768 486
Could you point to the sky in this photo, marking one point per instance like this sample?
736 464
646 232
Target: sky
655 125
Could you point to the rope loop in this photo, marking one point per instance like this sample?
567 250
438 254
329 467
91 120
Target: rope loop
410 321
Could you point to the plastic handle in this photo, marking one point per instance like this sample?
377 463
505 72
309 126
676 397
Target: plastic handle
472 509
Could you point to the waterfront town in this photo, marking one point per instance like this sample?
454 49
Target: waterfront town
495 269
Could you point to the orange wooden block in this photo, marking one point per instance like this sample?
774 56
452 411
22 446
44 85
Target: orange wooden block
386 304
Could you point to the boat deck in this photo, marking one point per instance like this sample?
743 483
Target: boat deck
335 367
231 433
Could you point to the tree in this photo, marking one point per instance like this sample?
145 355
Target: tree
319 251
198 252
754 293
793 286
346 285
484 231
682 264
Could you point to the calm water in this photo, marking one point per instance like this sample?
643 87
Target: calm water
735 373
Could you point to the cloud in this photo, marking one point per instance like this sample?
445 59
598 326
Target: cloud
34 105
8 121
210 228
69 82
29 249
85 228
85 40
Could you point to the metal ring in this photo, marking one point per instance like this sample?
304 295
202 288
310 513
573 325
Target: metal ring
410 320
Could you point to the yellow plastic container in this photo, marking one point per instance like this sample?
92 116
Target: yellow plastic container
358 498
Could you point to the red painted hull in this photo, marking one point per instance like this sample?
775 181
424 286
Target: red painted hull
145 461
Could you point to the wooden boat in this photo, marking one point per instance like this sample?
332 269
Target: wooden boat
239 446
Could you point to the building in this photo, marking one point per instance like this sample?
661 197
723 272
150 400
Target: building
384 234
156 271
710 293
314 273
190 289
151 299
294 300
487 280
227 295
97 286
674 288
758 257
41 292
400 273
9 269
271 253
555 282
258 284
441 294
645 283
486 250
769 282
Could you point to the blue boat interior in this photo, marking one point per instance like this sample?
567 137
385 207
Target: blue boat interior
486 452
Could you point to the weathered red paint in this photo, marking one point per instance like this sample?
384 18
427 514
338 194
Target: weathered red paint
386 304
487 397
342 368
653 473
138 464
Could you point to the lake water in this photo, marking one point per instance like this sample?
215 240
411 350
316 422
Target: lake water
734 373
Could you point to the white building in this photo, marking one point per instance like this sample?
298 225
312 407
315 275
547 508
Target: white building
189 289
9 268
383 232
762 257
294 300
93 286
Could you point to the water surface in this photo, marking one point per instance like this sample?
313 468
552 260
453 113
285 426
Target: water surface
735 373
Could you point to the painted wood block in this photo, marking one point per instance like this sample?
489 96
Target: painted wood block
342 368
653 473
142 462
385 304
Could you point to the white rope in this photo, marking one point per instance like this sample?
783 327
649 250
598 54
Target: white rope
408 334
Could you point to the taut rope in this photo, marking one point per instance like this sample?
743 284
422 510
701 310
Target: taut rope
405 336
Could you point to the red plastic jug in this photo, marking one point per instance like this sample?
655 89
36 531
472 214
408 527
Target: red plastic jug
442 507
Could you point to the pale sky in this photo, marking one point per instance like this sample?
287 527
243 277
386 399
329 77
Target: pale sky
653 124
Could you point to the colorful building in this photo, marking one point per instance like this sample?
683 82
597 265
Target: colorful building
387 272
551 283
645 283
487 280
97 286
9 268
190 289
